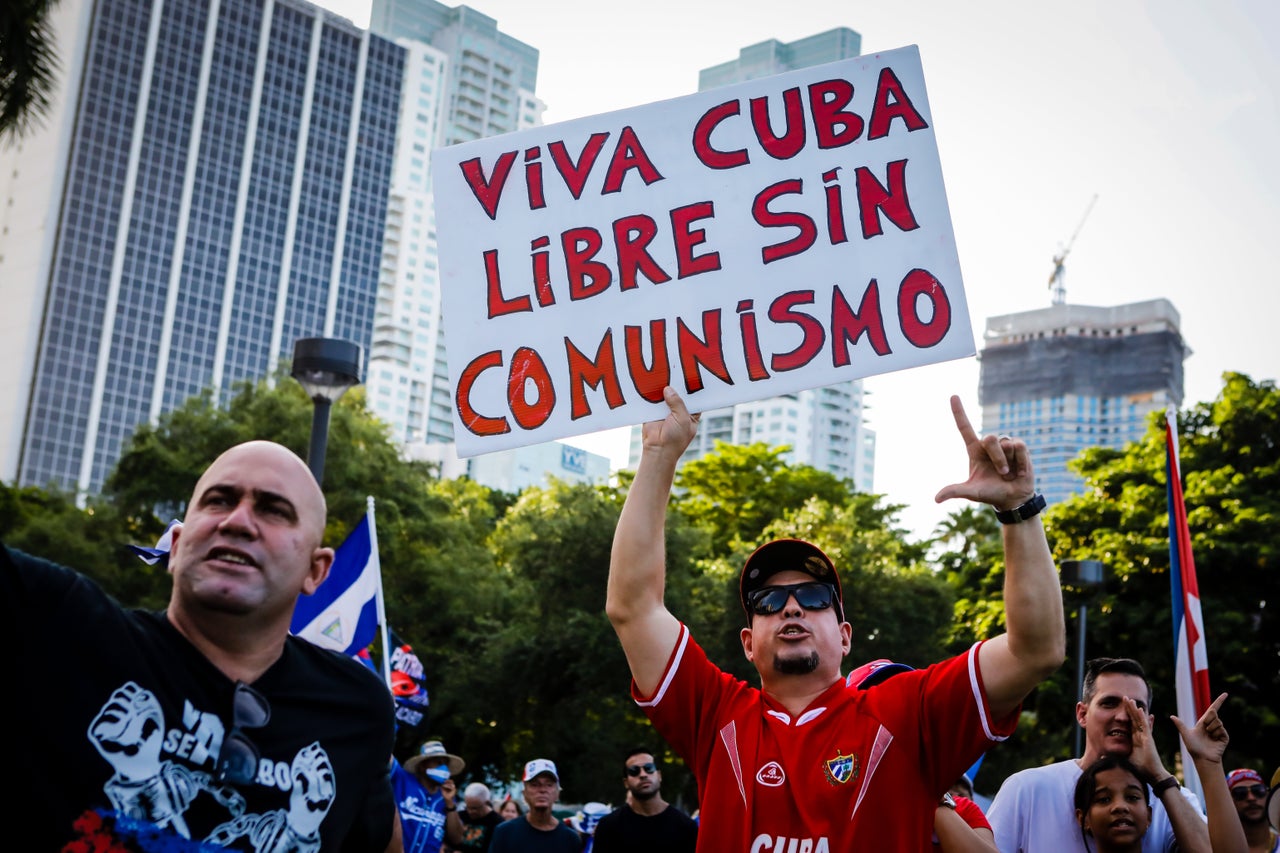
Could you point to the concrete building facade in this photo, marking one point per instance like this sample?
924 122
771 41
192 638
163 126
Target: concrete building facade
1069 377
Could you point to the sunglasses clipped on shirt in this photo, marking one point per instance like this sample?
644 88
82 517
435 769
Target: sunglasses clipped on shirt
1241 792
636 769
239 757
810 595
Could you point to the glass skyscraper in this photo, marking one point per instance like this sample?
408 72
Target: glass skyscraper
464 79
1070 377
217 187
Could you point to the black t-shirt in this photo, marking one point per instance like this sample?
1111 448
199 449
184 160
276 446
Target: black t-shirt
624 831
477 834
117 721
519 836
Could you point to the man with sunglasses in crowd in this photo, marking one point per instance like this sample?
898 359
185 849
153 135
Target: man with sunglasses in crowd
204 725
805 762
645 822
1249 793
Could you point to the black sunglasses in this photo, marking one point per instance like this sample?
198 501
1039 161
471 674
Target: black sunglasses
1242 792
239 757
636 769
810 595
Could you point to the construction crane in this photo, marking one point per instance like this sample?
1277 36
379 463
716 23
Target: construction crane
1056 285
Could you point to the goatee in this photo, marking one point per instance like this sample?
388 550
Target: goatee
796 665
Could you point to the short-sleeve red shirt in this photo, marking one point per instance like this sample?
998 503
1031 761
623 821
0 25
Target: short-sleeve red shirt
868 765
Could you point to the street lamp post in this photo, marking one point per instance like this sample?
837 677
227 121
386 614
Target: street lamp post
1083 575
325 368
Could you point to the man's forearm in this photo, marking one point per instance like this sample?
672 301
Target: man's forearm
637 560
1032 599
1034 642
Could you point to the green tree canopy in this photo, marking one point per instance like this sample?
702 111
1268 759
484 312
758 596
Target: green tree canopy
1230 459
502 596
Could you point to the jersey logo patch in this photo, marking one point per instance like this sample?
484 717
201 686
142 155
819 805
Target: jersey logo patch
771 775
841 769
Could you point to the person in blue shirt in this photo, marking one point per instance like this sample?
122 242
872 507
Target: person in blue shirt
427 798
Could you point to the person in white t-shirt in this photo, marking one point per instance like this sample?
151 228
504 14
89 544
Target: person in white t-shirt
1033 811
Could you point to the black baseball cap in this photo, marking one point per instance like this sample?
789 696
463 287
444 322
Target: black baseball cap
782 555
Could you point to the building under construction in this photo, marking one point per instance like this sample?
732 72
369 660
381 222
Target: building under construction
1069 377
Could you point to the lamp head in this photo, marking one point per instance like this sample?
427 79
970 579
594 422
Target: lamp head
326 367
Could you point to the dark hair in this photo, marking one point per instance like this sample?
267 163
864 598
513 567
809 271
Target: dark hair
637 750
1122 666
1088 780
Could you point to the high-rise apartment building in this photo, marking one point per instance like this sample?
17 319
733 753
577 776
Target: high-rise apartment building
210 186
463 80
824 427
1069 377
771 57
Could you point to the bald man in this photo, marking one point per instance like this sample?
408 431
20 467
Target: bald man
206 721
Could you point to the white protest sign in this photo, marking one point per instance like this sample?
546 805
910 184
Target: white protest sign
755 240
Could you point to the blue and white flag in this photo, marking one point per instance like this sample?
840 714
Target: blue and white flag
344 613
160 553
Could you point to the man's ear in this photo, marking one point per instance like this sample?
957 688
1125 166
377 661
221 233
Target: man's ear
748 644
174 536
321 562
1082 711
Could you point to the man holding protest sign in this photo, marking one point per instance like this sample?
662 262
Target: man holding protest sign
804 761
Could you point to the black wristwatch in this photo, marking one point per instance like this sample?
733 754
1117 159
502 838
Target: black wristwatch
1165 784
1018 514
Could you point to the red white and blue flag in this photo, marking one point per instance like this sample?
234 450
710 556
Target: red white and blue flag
1191 663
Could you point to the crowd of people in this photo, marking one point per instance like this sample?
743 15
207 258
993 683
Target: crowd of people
209 726
432 822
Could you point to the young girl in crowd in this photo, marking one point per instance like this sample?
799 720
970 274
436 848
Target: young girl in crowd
1113 806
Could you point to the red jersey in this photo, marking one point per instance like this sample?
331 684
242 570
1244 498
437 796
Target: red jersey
868 765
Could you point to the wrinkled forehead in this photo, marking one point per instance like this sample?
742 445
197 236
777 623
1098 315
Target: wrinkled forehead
265 466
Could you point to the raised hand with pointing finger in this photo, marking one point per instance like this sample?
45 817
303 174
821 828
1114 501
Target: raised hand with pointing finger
1000 471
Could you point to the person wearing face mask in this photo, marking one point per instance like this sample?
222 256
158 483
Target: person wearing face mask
427 798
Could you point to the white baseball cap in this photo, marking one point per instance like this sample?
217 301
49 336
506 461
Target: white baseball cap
539 766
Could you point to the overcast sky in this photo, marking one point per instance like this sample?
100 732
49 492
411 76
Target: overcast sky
1166 110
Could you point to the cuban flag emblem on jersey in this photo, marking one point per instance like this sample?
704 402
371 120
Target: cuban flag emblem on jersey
841 769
